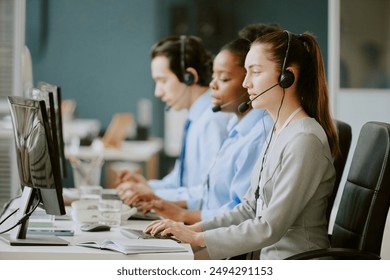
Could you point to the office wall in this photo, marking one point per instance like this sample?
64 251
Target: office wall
98 50
297 16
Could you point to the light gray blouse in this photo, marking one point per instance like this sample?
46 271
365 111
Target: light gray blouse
297 178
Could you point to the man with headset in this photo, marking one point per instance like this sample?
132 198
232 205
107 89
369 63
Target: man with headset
181 68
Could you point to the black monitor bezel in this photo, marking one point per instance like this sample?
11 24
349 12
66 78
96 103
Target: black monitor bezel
58 132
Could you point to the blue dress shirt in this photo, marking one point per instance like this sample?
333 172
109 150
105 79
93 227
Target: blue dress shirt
204 138
230 173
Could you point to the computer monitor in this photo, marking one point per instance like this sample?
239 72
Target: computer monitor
48 98
38 169
55 100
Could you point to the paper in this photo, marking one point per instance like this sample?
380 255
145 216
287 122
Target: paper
137 246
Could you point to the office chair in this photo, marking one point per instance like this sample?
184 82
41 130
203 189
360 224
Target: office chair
362 213
344 132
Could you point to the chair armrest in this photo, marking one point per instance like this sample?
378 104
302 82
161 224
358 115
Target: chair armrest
336 253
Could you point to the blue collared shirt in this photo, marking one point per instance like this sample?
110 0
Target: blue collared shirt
204 138
230 173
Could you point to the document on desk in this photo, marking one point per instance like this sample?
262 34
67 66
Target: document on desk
137 246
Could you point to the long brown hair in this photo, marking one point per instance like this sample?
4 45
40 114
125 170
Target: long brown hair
312 89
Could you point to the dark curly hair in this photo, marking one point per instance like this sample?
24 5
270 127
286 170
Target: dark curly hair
252 31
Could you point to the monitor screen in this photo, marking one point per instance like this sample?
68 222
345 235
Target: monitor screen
37 168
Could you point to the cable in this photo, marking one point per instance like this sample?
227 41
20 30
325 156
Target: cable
257 193
6 218
23 219
7 205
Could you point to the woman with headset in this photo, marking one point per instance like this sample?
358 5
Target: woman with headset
284 211
181 68
227 180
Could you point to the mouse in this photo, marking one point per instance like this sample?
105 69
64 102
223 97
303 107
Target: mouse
95 227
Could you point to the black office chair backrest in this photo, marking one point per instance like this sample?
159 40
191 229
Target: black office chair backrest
365 202
344 132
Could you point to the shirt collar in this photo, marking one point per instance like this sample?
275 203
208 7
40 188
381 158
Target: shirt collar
202 104
231 126
247 123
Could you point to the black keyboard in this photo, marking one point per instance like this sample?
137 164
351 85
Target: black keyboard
150 216
139 234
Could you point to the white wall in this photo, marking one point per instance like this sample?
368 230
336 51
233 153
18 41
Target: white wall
353 106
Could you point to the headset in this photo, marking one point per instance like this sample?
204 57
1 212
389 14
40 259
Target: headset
188 77
287 77
286 80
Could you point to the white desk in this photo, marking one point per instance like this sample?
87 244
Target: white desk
80 128
142 152
129 151
72 252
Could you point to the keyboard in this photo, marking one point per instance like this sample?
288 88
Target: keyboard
150 216
139 234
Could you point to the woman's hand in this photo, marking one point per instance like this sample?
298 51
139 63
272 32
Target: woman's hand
178 229
138 199
163 208
166 209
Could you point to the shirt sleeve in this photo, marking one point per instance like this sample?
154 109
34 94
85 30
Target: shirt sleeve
240 182
193 203
170 181
168 187
212 137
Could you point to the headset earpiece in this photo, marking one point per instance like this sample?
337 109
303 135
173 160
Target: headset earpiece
188 77
287 77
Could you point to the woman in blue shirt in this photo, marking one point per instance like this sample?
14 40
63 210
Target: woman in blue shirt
227 180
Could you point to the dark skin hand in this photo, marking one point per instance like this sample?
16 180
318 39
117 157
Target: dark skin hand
139 198
170 210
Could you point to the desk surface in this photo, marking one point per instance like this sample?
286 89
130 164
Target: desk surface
136 151
73 252
80 128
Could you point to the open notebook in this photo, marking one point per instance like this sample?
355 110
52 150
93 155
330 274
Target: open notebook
136 246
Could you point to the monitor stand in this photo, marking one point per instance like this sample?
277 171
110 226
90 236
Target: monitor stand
18 236
34 240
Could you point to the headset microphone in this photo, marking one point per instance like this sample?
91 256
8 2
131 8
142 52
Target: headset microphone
245 106
218 108
286 78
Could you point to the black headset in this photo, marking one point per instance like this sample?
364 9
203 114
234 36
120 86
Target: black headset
287 77
188 77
